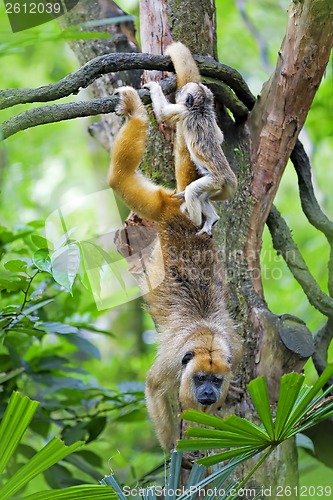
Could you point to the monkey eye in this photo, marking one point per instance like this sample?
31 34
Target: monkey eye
189 100
216 380
188 356
201 378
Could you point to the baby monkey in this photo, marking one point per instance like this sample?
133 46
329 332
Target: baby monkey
195 119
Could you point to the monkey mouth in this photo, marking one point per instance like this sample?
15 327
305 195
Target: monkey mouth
207 401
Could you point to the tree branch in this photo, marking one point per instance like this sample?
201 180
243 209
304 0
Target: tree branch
310 205
322 342
285 246
110 63
59 112
55 113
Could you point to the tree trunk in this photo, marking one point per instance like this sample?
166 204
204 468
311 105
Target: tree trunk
257 151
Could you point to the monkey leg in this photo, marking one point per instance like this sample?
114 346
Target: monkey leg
209 213
139 193
193 193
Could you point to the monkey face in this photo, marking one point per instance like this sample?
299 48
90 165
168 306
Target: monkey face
207 387
194 94
204 380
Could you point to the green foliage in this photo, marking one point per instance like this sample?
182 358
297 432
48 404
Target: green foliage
299 408
16 419
43 336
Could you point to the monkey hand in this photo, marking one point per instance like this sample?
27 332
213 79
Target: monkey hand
235 392
151 85
189 458
130 104
179 196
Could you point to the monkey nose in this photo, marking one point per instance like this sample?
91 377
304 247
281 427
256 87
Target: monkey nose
207 398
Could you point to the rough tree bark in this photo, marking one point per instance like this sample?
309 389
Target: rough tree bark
258 151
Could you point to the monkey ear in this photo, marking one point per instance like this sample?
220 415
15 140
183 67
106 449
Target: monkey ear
188 356
189 101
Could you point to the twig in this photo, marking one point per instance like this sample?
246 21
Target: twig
110 63
285 246
261 41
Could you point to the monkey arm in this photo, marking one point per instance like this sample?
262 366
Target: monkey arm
163 109
138 192
160 409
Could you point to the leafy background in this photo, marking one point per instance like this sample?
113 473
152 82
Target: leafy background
88 366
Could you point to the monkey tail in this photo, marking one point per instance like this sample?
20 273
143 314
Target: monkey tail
184 64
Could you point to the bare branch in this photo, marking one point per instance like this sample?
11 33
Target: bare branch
310 205
285 246
59 112
322 341
110 63
56 113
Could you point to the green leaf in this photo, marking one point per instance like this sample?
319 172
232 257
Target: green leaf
290 387
39 241
16 419
243 453
12 282
41 259
259 394
16 266
54 451
202 418
304 441
65 265
199 444
112 481
83 345
95 427
174 475
89 457
82 465
88 492
7 376
136 415
56 327
308 399
37 306
225 439
64 239
58 476
230 426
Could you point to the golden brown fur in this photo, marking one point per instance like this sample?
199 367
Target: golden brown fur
196 337
197 130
